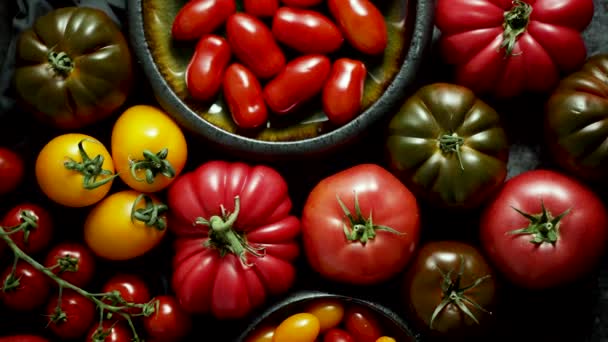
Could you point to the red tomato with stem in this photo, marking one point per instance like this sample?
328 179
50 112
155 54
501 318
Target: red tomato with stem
343 90
254 45
365 214
243 94
34 225
200 17
71 316
169 323
131 288
12 170
362 324
205 71
508 47
26 289
236 240
362 24
301 3
109 331
337 335
72 262
306 31
261 8
544 229
300 81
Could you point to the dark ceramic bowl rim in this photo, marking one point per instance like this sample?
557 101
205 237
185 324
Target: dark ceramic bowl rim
421 37
300 297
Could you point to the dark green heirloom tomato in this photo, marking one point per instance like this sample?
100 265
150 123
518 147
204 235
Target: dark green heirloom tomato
73 67
450 291
576 124
448 146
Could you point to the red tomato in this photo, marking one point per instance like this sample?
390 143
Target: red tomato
537 249
337 335
301 3
229 258
109 332
507 47
11 170
301 80
23 338
26 290
74 316
343 90
200 17
362 324
35 225
261 8
254 45
206 68
243 94
72 262
132 289
306 31
383 230
362 24
169 323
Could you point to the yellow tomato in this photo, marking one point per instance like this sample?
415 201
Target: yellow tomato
148 148
300 327
386 339
262 335
125 225
329 312
74 170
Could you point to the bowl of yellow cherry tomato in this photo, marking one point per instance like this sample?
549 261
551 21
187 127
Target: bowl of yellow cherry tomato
325 317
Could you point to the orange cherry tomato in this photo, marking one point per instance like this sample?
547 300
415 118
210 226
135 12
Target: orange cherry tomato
263 335
300 327
329 312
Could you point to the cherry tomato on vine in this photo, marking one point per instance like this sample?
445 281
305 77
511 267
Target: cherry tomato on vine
362 23
12 169
337 335
35 227
24 290
205 71
148 148
132 289
264 334
343 91
306 31
75 170
125 225
72 262
110 331
300 327
329 312
73 317
362 324
243 94
169 323
301 3
199 17
261 8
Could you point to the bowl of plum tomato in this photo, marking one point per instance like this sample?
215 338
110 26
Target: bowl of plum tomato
280 78
311 316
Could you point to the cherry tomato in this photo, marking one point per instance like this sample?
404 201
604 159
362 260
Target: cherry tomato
26 290
343 90
11 170
131 288
306 31
362 24
206 68
23 338
302 79
72 262
300 327
200 17
337 335
386 339
110 331
301 3
261 8
265 334
73 317
35 227
169 323
243 93
75 170
329 312
254 45
362 324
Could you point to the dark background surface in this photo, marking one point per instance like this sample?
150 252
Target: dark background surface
576 313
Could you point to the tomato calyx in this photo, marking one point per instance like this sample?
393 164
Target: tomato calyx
361 229
60 63
153 164
90 168
516 23
150 215
543 227
451 143
11 282
29 221
66 263
454 293
223 237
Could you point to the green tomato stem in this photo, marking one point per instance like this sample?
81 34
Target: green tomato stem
515 24
153 164
451 143
151 214
91 169
60 63
543 227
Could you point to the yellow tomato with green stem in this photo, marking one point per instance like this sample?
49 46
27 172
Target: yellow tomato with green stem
125 225
148 148
74 170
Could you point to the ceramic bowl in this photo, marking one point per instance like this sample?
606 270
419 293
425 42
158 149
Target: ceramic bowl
164 61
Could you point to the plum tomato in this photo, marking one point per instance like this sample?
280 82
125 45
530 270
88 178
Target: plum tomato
264 334
330 312
306 31
169 322
261 8
337 335
26 289
200 17
71 315
72 262
109 331
301 80
206 68
299 327
362 324
244 96
361 23
343 91
12 170
132 289
301 3
35 227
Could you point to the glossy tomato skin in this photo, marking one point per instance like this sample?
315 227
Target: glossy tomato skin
381 196
132 289
264 334
169 323
80 314
38 237
343 90
261 8
254 45
301 3
206 68
301 80
79 273
306 31
337 335
243 94
472 34
330 313
113 332
23 338
362 23
362 324
32 291
12 169
299 327
203 280
200 17
581 233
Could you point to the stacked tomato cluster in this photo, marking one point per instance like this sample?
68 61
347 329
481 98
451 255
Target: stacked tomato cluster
260 77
